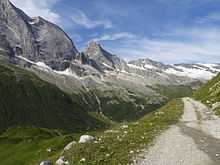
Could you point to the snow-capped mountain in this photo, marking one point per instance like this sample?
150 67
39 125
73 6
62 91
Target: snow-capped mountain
196 71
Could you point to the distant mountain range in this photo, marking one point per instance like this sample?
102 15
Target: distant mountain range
38 40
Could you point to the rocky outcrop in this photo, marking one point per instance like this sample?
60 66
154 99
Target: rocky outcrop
33 38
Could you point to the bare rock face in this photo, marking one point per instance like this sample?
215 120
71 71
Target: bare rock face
34 38
15 30
54 46
103 60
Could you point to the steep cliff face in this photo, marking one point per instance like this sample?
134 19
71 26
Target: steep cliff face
34 38
15 30
54 47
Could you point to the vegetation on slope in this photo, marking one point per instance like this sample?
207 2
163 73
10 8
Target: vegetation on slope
120 105
26 100
174 91
128 108
27 146
210 93
121 144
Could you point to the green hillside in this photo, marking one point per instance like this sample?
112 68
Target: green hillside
210 93
26 100
28 146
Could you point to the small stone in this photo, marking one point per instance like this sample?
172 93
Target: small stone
47 162
124 126
49 150
83 160
62 161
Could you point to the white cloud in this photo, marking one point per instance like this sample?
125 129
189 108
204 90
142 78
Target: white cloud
80 18
211 17
41 8
200 45
116 36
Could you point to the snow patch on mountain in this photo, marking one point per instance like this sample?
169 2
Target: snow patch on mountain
196 72
43 65
136 67
67 72
149 66
213 67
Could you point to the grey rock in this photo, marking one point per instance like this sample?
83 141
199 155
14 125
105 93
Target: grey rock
54 47
144 62
47 162
34 38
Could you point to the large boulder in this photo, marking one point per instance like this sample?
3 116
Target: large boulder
69 146
86 139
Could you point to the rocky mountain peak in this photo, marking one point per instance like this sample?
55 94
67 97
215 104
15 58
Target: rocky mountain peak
103 59
94 45
39 40
94 50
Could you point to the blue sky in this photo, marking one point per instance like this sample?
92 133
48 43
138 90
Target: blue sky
171 31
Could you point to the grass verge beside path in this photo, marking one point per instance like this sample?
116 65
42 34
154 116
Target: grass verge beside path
209 94
122 143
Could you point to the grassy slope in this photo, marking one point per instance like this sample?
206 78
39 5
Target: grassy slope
210 92
121 105
25 146
26 100
174 91
133 108
118 147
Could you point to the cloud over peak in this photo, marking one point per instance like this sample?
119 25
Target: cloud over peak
115 36
80 18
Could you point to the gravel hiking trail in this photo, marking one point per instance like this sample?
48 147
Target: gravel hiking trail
195 140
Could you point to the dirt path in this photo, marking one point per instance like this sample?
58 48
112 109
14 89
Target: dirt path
195 140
